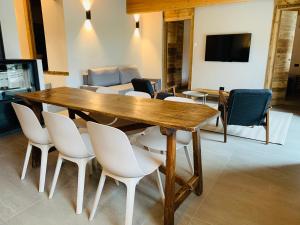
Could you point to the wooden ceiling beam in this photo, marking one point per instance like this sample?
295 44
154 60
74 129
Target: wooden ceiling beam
143 6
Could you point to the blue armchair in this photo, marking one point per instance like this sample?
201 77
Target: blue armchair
245 107
144 85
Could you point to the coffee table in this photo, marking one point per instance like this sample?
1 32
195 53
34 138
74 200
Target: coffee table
196 94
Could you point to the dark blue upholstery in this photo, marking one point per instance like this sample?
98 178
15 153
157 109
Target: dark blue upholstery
143 85
248 107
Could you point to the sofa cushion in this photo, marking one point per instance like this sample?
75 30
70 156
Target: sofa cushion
127 73
105 76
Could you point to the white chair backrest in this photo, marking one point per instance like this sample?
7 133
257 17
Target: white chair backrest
113 150
180 99
182 136
30 125
106 90
138 94
65 135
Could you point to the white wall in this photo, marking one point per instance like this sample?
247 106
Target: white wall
53 17
152 45
296 51
9 29
111 41
250 17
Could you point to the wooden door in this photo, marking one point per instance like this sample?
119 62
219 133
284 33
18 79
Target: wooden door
283 55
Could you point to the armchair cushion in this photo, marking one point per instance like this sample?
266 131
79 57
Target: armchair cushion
143 85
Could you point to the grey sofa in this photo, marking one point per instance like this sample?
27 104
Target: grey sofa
115 77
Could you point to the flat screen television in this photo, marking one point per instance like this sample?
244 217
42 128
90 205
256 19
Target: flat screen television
228 47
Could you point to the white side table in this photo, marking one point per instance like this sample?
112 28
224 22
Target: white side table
196 94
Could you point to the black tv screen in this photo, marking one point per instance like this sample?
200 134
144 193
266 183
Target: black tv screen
228 48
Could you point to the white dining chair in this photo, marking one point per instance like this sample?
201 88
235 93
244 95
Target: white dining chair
72 146
154 140
138 94
37 136
123 162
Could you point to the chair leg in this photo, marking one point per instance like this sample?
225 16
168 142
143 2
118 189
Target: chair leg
225 133
217 122
130 200
80 186
56 174
160 186
267 128
43 169
27 156
98 195
188 157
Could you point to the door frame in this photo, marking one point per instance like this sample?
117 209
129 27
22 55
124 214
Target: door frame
274 39
173 16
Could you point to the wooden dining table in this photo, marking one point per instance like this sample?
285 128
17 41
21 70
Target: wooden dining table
170 116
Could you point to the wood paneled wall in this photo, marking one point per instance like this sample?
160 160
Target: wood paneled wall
142 6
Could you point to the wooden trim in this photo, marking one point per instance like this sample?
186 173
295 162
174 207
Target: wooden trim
144 6
272 48
178 15
172 16
270 71
165 55
59 73
191 53
30 32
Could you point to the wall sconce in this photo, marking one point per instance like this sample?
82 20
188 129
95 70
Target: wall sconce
137 24
88 15
137 21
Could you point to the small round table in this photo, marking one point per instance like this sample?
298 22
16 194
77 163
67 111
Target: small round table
196 94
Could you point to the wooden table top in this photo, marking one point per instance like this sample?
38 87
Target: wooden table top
208 91
167 114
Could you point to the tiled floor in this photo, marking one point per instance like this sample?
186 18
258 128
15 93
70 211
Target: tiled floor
245 183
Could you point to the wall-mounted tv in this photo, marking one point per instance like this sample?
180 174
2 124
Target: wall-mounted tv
228 47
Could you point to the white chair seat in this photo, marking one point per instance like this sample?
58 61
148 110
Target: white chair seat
147 161
153 139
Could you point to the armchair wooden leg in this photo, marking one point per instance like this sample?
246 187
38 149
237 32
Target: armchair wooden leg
267 127
225 132
217 122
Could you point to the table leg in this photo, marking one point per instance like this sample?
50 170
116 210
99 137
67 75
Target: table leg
71 114
169 209
197 161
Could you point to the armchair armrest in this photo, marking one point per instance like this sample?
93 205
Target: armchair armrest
223 98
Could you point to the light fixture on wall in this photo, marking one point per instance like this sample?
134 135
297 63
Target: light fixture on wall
88 15
137 32
137 21
87 4
137 24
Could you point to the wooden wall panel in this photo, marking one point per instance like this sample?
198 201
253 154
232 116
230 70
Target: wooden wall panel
283 55
142 6
178 14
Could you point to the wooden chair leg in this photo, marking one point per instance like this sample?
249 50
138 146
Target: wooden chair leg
267 128
225 132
